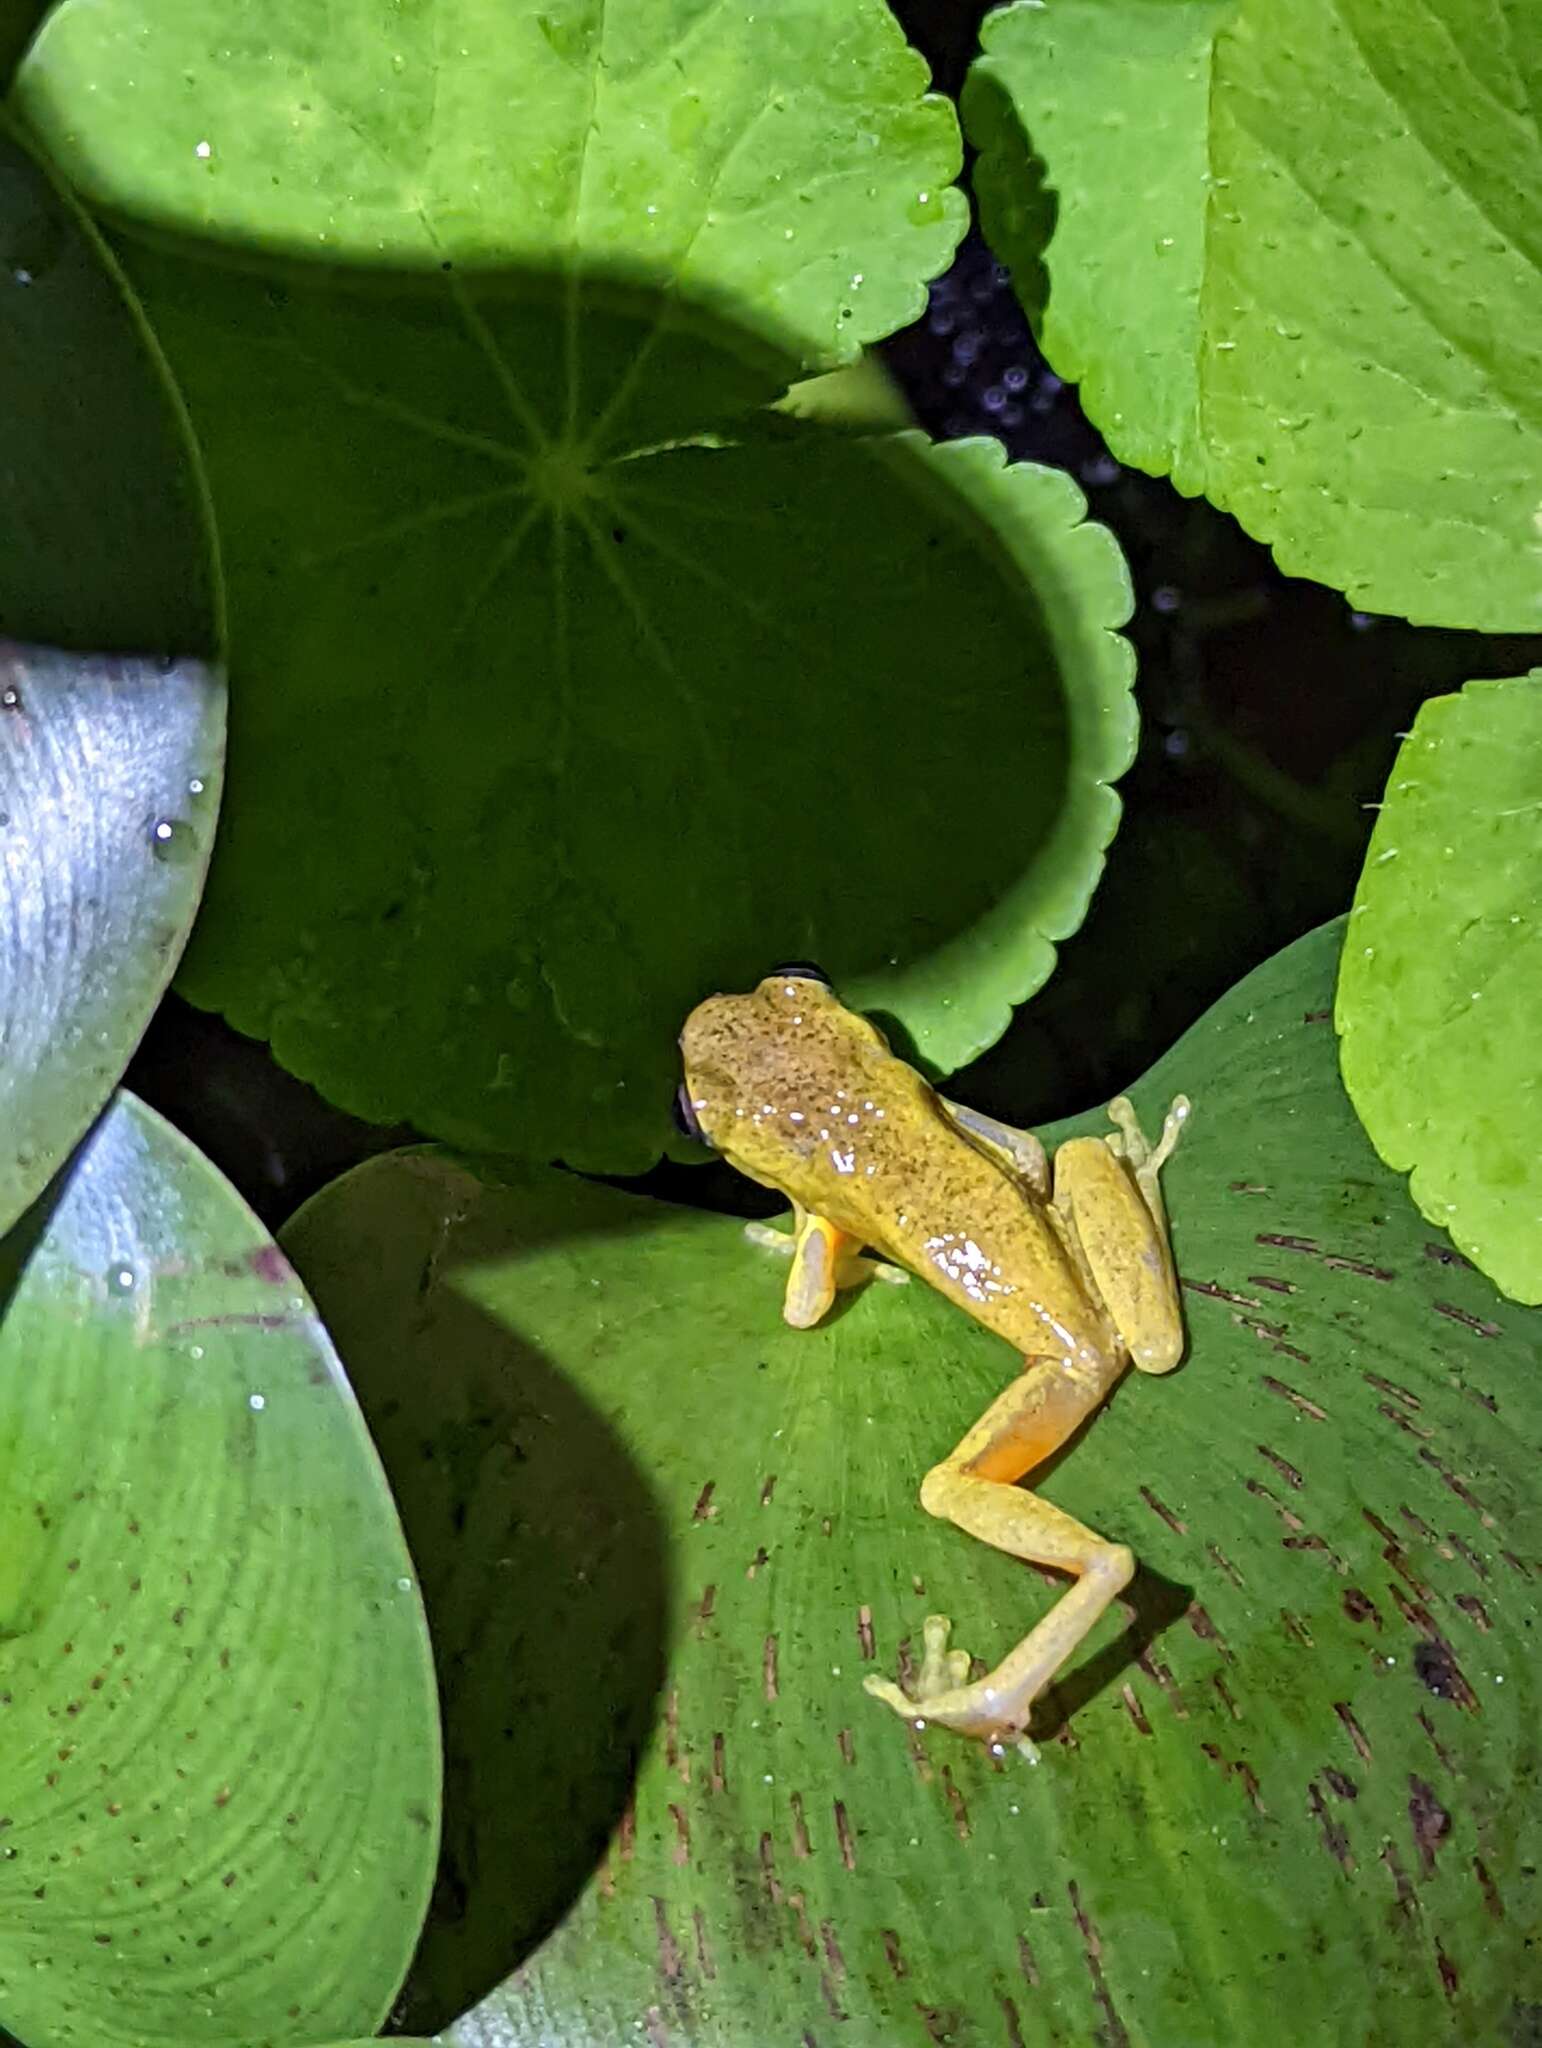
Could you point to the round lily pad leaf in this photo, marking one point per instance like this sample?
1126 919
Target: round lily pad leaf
219 1777
109 784
582 722
1292 252
1441 984
1291 1774
782 160
104 543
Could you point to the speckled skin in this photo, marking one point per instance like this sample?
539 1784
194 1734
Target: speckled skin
805 1097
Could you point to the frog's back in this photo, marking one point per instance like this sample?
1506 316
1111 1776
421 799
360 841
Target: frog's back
807 1098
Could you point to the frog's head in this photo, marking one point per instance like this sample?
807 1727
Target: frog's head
751 1059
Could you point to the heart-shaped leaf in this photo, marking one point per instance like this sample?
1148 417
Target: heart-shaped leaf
781 161
219 1769
1441 987
1294 260
1292 1779
593 720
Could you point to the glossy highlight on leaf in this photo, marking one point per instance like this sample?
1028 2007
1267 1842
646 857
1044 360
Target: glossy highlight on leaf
1291 251
219 1762
1294 1773
1440 990
109 788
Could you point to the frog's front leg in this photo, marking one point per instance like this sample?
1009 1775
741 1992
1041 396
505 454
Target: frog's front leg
976 1488
824 1260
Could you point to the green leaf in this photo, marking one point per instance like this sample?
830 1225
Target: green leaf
780 160
104 542
1298 1781
580 721
109 784
219 1772
1294 259
1441 984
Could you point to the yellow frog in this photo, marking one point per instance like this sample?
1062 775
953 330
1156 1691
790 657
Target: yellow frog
1075 1271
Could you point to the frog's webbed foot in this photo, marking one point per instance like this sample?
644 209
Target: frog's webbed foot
941 1692
1144 1159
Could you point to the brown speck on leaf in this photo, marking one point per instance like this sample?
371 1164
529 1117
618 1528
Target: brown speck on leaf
892 1955
1398 1393
1287 1243
956 1805
756 1562
1340 1264
1272 1282
1477 1324
222 1797
1159 1674
1439 1673
1450 1982
1493 1904
1115 2033
670 1960
1213 1290
1297 1401
833 1955
1361 1607
626 1833
1403 1422
1393 1864
1226 1566
1198 1618
1286 1470
658 2033
1462 1492
1249 1780
843 1741
1296 1627
1246 1187
799 1907
705 1609
228 1879
865 1631
844 1836
705 1960
768 1667
1340 1784
1516 1564
1470 1558
704 1511
1421 1528
1163 1513
1134 1709
801 1847
1352 1728
1226 1699
682 1848
1013 2025
768 1871
1429 1821
719 1779
1475 1610
672 1729
768 1487
1335 1838
178 1616
1443 1255
1435 1742
1027 1962
1287 1515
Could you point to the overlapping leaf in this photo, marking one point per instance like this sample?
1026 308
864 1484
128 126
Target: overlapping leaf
1294 259
1441 986
1290 1777
219 1771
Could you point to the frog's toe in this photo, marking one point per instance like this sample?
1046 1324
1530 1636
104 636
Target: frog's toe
886 1690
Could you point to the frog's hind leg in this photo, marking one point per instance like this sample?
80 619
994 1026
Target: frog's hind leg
975 1488
824 1260
1018 1151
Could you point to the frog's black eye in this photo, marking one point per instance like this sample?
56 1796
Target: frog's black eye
684 1111
801 970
